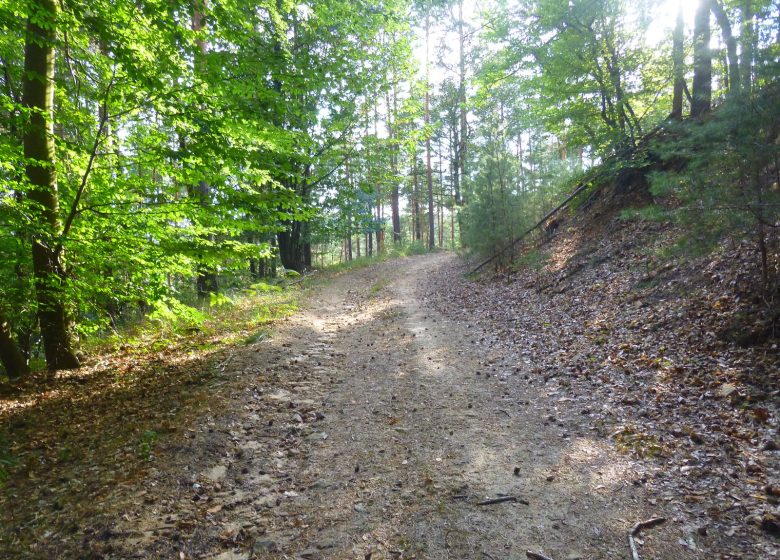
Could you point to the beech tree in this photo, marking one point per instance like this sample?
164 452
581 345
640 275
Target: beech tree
167 145
39 152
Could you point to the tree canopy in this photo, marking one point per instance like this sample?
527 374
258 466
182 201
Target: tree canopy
155 153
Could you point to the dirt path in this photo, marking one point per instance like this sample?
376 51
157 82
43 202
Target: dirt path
371 427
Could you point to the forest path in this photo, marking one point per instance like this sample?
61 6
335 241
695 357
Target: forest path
373 431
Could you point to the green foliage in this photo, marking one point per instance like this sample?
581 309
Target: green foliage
264 287
182 149
220 300
651 213
721 179
415 248
146 444
535 260
170 313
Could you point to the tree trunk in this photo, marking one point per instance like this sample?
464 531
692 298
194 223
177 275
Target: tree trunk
747 39
10 356
678 62
428 170
731 45
417 219
454 159
702 62
306 247
440 199
292 249
460 196
38 97
452 225
395 207
207 281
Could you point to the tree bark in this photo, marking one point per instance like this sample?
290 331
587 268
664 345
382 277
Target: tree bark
395 206
702 61
10 356
39 151
678 63
416 218
731 45
460 195
428 170
292 250
207 281
429 179
747 39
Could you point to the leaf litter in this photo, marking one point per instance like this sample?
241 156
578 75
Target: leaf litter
669 359
372 424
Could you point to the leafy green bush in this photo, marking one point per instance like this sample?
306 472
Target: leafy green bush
264 287
146 444
721 177
220 300
168 312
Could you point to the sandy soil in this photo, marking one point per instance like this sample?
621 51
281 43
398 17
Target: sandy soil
369 426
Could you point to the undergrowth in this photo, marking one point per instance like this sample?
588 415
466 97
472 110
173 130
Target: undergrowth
227 319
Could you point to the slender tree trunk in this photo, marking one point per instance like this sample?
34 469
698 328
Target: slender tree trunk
48 269
747 39
439 224
440 199
24 332
454 160
678 63
702 62
428 170
207 281
395 194
416 203
461 195
731 45
306 246
452 224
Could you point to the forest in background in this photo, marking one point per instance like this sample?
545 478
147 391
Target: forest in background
158 157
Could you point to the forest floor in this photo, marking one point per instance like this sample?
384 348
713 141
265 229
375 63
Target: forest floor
374 422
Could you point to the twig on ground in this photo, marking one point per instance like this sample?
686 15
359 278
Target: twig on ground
536 555
501 500
486 555
224 364
504 411
636 529
301 279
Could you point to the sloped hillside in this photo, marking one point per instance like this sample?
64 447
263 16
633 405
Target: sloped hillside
673 358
